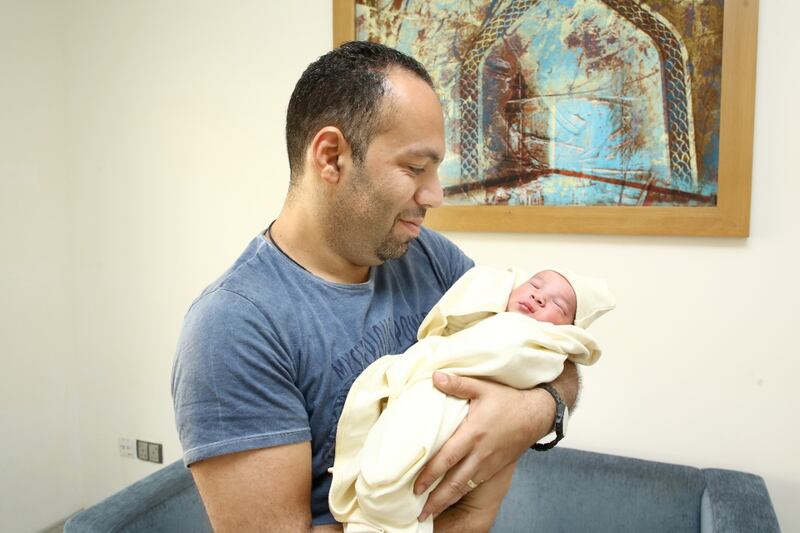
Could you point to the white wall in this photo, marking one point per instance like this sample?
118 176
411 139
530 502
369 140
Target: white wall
38 400
174 159
176 114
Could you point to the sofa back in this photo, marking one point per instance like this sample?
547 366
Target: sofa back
166 501
561 490
575 491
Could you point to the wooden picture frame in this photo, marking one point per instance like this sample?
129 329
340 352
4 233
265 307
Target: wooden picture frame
731 215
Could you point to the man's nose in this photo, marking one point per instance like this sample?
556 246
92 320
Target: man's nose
430 192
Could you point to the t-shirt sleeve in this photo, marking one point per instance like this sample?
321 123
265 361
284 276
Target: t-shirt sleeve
448 260
233 382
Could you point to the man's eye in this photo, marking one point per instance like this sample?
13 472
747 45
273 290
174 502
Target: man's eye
416 170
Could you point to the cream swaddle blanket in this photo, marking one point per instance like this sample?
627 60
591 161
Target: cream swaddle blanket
394 419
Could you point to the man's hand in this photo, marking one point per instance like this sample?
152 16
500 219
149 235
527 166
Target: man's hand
476 511
501 425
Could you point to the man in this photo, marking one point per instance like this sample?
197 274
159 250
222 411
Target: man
344 275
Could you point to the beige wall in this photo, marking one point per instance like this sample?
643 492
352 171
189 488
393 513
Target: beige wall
38 396
150 136
176 117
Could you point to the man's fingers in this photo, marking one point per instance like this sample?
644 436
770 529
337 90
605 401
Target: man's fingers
458 386
453 451
455 460
456 484
462 442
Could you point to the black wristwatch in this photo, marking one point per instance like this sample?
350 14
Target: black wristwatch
560 424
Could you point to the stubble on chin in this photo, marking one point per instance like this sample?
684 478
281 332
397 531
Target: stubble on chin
391 248
355 237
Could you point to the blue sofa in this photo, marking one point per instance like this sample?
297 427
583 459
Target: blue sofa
562 490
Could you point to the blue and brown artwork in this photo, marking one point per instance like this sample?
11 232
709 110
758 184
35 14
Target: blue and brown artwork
568 102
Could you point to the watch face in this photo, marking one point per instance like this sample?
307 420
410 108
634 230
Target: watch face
565 421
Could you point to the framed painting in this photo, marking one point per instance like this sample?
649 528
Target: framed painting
583 116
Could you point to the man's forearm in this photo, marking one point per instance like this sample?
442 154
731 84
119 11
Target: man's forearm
568 384
460 520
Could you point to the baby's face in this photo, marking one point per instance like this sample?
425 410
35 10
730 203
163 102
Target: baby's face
547 297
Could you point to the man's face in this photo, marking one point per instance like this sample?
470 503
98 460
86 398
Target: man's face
382 203
547 297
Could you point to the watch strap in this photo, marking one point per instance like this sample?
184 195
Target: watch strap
558 425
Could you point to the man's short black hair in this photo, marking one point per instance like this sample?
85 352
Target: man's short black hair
343 88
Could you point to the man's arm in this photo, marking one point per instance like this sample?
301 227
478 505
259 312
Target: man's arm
501 425
264 490
568 385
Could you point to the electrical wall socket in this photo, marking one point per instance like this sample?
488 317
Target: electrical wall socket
150 451
154 454
141 450
127 447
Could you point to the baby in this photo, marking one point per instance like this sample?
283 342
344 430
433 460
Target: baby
547 297
394 420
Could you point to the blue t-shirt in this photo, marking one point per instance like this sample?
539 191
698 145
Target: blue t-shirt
269 351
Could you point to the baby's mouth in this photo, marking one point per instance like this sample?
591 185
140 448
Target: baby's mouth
526 306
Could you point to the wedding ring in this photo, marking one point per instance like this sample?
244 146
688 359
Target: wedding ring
471 484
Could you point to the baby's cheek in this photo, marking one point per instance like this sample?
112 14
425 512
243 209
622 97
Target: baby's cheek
555 317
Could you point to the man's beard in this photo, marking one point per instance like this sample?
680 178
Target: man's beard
358 217
391 247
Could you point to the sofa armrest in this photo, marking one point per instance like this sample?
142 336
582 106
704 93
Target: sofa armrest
166 500
736 502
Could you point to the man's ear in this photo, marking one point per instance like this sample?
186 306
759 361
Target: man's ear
326 153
